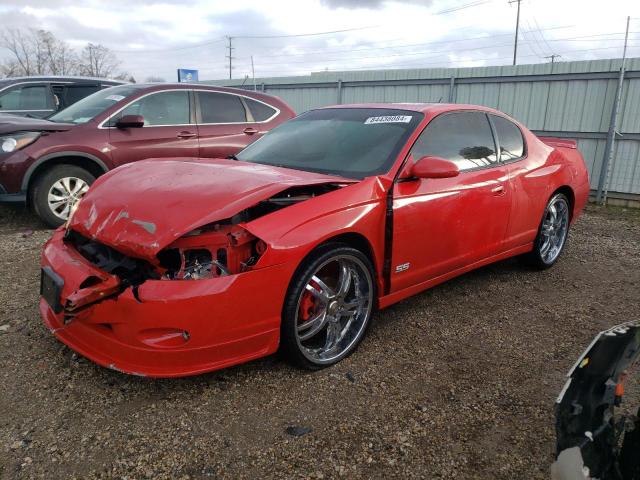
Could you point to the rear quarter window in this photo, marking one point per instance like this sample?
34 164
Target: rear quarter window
509 138
260 111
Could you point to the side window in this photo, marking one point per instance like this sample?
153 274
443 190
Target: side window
163 108
78 92
221 108
509 138
463 137
259 110
10 99
30 97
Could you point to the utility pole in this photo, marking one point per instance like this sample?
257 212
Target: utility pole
605 171
553 57
253 74
515 43
230 56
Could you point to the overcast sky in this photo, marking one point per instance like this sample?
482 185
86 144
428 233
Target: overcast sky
157 37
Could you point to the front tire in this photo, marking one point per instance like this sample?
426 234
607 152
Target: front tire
56 192
328 307
552 234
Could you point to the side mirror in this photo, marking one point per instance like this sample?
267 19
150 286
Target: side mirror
130 121
434 167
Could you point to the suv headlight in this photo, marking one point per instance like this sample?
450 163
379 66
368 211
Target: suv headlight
16 141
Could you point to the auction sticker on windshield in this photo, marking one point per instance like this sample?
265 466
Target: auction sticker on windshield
388 119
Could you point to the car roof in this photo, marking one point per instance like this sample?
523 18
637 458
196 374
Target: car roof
150 87
426 108
60 78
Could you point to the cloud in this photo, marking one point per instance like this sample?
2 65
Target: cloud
155 37
369 4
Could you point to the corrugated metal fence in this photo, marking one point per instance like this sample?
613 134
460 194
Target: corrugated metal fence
566 99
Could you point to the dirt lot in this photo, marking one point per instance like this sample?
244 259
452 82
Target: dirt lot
458 382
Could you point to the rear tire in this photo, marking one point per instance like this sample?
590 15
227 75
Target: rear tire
328 307
55 192
552 234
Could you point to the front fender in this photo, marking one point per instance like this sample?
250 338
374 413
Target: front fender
96 158
292 233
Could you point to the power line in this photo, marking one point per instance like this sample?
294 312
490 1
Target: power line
226 37
535 40
307 34
428 53
386 47
419 64
195 45
441 12
462 7
541 34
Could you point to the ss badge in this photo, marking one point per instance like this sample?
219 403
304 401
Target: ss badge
402 267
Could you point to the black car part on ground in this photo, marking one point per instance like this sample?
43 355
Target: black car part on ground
609 447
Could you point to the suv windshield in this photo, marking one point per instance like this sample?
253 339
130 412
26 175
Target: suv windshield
87 108
349 142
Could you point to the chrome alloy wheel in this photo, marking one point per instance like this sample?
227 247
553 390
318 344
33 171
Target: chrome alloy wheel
333 309
64 194
554 229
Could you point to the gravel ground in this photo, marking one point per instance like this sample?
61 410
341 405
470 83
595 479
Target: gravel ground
458 382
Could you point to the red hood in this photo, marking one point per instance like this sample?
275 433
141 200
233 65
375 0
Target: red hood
142 207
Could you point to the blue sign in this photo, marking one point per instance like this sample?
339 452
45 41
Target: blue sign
185 75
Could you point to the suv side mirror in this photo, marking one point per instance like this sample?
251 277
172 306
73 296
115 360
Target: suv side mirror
130 121
434 167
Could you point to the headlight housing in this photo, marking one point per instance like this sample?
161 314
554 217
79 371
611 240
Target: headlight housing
212 251
16 141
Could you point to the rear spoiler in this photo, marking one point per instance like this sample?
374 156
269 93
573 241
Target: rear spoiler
560 142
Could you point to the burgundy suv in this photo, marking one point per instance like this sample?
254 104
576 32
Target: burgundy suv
49 164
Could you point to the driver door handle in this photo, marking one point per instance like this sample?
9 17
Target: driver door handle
250 131
186 134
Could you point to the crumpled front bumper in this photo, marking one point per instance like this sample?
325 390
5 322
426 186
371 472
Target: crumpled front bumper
174 327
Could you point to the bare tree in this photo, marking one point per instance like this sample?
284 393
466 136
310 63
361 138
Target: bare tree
98 61
37 52
20 45
10 68
155 79
60 58
125 76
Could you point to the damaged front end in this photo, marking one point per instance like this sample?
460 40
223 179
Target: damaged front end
211 251
594 440
198 301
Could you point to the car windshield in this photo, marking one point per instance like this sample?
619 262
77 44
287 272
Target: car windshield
349 142
87 108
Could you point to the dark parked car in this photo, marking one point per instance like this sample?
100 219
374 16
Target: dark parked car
50 164
40 97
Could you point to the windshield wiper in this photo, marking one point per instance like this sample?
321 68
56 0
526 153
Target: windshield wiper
231 157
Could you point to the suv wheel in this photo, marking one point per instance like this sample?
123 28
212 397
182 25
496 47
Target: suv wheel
56 191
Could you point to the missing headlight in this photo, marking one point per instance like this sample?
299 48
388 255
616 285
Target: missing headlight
210 252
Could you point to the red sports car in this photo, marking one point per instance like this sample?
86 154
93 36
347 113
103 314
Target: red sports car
180 266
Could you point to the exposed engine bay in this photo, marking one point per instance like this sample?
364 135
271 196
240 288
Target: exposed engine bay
210 251
592 442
